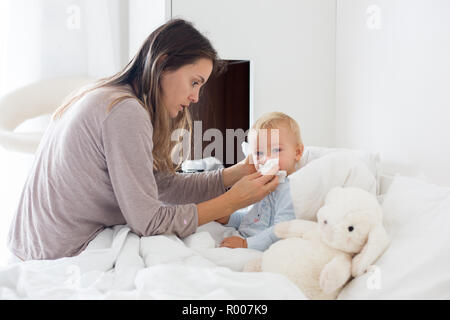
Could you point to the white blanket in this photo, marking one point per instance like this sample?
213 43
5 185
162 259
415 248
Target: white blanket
118 264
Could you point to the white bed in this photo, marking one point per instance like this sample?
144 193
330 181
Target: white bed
120 265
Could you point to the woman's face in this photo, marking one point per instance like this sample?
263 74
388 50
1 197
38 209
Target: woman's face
181 87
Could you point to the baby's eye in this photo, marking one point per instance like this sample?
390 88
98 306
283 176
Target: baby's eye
277 150
259 153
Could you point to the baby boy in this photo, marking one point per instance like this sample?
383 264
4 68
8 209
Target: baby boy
274 139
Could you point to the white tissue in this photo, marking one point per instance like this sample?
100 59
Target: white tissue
265 168
269 164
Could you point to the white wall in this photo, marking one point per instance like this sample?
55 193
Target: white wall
291 45
393 83
144 17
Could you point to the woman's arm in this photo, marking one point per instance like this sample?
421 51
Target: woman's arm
183 188
248 190
233 174
214 209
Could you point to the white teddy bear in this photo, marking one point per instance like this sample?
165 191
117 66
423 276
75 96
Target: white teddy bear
320 257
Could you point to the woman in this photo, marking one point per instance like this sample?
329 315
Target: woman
105 158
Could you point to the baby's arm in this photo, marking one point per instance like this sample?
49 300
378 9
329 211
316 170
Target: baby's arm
262 240
284 211
233 220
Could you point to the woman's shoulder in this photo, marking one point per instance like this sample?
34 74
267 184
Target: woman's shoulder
128 115
110 100
108 94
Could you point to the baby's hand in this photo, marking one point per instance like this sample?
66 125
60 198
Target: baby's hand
234 242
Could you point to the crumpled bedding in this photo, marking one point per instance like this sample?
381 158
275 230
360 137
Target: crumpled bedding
118 264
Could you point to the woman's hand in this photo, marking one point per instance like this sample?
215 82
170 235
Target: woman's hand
234 242
246 191
248 164
252 188
234 173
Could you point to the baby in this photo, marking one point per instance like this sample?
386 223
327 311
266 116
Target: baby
273 139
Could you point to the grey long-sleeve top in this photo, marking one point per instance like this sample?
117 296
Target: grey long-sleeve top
93 170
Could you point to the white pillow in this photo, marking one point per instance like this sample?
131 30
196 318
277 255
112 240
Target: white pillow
310 184
372 160
416 265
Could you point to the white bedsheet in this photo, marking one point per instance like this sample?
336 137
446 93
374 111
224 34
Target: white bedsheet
119 265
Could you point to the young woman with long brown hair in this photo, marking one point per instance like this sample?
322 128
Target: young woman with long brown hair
105 158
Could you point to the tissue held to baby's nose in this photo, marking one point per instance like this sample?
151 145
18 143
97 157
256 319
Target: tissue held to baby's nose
268 164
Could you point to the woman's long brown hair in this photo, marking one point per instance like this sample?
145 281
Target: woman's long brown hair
168 48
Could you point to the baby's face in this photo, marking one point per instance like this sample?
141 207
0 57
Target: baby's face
275 143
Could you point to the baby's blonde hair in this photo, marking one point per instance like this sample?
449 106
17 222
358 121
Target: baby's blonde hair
273 120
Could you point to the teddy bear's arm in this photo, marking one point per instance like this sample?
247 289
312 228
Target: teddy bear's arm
335 273
377 242
294 228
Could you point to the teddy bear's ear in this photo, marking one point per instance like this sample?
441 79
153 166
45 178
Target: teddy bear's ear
377 242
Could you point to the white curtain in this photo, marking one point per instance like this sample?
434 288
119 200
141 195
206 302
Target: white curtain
49 38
